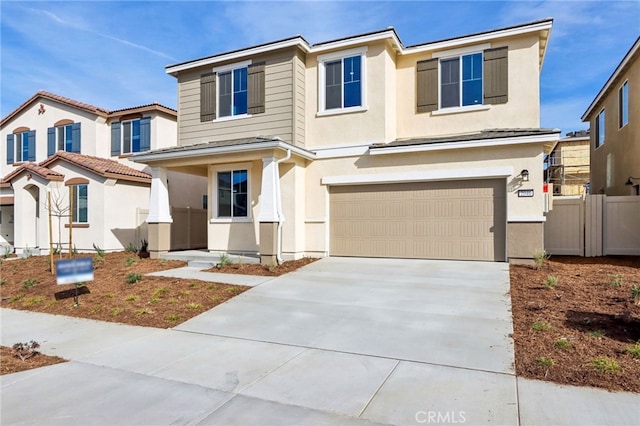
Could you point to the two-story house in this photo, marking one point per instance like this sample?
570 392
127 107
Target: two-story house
71 159
614 118
365 147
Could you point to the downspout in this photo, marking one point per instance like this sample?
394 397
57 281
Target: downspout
279 208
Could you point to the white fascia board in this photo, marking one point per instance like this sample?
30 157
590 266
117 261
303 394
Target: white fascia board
479 38
159 156
252 51
526 219
340 151
341 44
478 143
421 176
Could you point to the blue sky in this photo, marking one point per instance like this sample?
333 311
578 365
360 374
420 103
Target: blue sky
113 54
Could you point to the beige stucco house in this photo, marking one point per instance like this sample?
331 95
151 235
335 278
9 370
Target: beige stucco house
614 118
568 164
364 147
62 149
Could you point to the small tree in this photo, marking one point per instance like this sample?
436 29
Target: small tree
59 209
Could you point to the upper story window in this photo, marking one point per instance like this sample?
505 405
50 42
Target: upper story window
460 80
232 91
600 129
623 104
64 136
341 78
128 136
21 146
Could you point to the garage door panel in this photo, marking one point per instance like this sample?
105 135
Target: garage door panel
440 220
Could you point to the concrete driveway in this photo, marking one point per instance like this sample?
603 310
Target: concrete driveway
341 341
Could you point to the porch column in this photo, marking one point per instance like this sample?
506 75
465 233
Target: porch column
268 216
159 219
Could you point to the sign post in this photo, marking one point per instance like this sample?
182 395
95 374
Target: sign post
74 271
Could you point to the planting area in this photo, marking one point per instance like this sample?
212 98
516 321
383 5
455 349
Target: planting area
577 321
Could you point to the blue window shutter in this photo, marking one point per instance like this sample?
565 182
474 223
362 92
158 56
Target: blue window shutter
145 134
31 147
115 138
75 138
10 147
51 141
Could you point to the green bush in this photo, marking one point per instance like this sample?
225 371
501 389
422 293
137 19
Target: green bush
133 278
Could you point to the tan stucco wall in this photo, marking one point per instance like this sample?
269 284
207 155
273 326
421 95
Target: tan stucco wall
524 239
619 157
529 156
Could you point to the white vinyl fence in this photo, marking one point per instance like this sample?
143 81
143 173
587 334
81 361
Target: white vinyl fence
594 225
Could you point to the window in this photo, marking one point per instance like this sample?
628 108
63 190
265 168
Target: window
131 136
233 196
456 91
454 81
80 206
232 96
600 129
341 81
236 90
64 136
623 104
21 146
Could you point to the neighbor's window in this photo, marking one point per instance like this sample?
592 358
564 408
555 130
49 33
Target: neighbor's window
21 146
341 77
232 92
130 136
64 136
233 193
600 129
623 99
80 206
461 81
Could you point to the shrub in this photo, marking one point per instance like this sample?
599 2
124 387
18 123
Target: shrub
172 318
131 248
116 311
634 350
540 326
130 261
596 333
635 294
33 301
545 362
131 298
562 344
101 253
194 306
3 282
133 277
551 282
540 257
615 281
224 260
143 311
605 364
161 292
27 284
25 351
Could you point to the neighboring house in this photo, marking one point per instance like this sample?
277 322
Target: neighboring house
568 164
614 117
364 147
68 149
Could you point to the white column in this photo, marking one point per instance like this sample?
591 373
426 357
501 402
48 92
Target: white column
268 194
159 210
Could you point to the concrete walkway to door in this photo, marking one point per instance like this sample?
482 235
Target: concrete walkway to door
340 341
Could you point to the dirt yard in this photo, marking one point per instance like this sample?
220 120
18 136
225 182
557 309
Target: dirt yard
575 319
583 329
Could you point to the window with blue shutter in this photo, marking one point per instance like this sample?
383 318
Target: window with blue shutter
135 136
145 134
21 147
51 141
63 138
75 138
31 145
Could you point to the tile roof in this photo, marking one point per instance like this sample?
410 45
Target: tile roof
484 134
101 166
102 112
36 168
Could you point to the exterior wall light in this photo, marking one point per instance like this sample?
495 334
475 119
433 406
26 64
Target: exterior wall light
630 180
524 174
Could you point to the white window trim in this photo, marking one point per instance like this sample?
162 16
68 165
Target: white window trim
620 109
57 134
463 52
322 59
213 201
598 143
226 68
131 151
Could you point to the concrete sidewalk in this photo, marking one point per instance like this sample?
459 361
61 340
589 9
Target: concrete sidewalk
301 354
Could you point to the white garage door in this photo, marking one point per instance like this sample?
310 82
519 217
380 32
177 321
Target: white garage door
462 220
